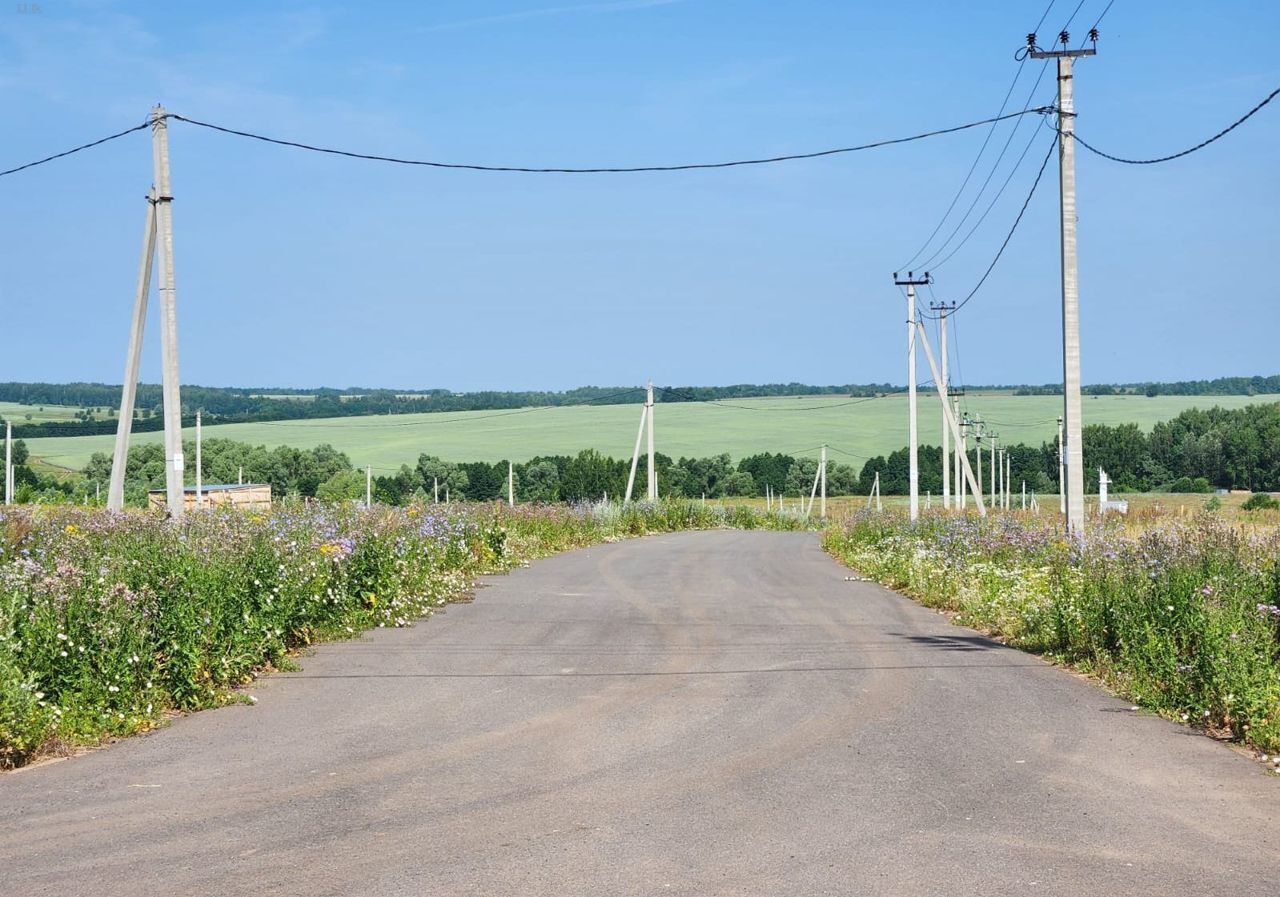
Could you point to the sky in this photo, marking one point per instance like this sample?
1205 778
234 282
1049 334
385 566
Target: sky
300 269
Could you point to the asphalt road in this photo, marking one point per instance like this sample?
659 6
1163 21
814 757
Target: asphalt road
694 714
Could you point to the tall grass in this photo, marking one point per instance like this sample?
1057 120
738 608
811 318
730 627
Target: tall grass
1182 617
110 621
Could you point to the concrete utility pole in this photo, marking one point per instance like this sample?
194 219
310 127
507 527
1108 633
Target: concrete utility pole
174 469
992 453
913 439
240 476
199 463
511 485
129 392
653 476
1072 410
823 468
942 309
962 448
1008 480
8 462
368 487
1062 483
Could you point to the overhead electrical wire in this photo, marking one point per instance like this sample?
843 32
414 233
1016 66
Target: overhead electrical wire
929 264
72 151
1052 145
1186 152
981 150
537 170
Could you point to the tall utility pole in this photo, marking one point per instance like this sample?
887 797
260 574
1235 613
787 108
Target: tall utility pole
168 313
653 477
942 310
962 448
129 392
511 484
1072 410
368 487
913 448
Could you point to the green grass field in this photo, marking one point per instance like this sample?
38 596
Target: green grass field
12 411
855 432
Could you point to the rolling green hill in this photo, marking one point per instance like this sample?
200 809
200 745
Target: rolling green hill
856 429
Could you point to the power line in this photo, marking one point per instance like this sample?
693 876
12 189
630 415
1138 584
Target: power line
991 205
603 170
928 264
1186 152
1012 230
81 148
982 149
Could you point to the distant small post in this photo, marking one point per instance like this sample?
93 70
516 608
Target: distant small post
199 465
8 462
511 485
368 487
824 483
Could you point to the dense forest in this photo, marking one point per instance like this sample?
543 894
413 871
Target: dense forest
1196 451
228 405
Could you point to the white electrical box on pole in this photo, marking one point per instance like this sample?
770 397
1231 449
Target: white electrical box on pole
1071 405
913 439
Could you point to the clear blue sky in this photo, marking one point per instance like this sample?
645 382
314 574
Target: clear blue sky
303 270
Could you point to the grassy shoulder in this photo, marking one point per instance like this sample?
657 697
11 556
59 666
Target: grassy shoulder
110 622
1182 616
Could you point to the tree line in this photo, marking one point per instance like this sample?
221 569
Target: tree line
234 405
1196 451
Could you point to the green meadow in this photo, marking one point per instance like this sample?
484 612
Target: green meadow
856 429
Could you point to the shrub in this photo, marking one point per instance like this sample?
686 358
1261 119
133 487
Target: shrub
1260 501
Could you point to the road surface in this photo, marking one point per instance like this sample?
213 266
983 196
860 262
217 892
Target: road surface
695 714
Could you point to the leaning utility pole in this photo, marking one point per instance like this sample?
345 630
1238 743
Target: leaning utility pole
124 426
913 448
653 477
1072 410
635 455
